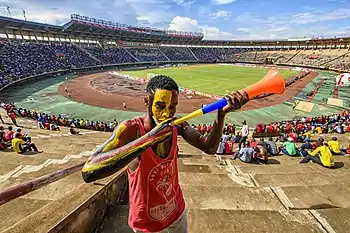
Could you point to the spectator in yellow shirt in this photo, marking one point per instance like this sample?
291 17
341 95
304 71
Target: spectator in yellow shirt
20 146
334 146
321 155
318 129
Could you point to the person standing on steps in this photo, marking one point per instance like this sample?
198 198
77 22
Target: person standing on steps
244 134
156 203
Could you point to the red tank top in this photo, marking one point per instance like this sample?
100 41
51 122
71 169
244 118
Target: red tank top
155 196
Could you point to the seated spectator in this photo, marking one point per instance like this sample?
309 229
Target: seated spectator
294 136
228 146
262 143
348 128
339 129
334 146
289 148
54 127
260 154
306 147
245 154
346 150
253 143
20 146
306 134
322 155
24 137
237 138
270 128
272 148
8 135
318 130
73 131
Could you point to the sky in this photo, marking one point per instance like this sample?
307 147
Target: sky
217 19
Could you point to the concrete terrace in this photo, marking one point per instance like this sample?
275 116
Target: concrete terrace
282 196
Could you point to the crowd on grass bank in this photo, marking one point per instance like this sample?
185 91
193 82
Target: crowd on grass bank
53 122
288 134
19 142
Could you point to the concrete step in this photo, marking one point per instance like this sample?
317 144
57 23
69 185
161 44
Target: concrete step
298 179
235 221
212 179
334 220
18 209
314 196
78 210
221 220
215 167
230 198
28 173
288 168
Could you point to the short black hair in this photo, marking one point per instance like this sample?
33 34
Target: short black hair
161 82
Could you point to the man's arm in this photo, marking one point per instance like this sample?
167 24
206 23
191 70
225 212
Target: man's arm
124 133
209 144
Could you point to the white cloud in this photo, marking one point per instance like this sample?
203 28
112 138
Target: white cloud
220 14
222 2
191 25
184 3
184 24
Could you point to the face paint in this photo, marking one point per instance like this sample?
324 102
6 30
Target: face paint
164 105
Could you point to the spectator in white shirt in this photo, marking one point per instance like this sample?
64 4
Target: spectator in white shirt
245 134
220 150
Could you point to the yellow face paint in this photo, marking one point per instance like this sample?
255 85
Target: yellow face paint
164 105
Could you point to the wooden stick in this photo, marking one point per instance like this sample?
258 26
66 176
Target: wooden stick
29 186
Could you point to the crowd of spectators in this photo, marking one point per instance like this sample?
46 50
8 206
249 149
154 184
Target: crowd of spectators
21 59
111 55
242 145
53 122
147 54
178 53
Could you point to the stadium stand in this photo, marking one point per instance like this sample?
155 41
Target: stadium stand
258 198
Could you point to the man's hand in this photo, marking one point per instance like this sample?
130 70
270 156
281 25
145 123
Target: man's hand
235 101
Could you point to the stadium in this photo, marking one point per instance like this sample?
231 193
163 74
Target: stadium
91 72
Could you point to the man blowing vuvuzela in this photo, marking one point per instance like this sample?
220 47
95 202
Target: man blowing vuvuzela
155 197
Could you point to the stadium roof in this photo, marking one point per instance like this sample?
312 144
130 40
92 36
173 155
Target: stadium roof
82 26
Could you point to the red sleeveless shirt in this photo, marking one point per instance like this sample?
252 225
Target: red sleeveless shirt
155 196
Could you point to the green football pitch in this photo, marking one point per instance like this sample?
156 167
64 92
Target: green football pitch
211 79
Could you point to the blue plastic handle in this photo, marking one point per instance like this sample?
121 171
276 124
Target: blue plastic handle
214 106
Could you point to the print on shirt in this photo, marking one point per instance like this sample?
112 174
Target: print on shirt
161 183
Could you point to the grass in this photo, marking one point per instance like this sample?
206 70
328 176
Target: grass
212 79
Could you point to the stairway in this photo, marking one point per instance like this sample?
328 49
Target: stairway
163 54
227 196
283 196
85 51
61 150
193 54
293 56
333 59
